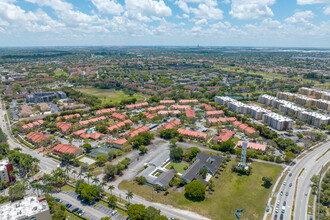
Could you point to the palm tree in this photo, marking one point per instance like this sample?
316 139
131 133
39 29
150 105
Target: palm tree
74 172
80 174
111 187
129 196
67 169
88 176
103 184
95 180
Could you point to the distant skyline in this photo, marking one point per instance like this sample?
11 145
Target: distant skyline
256 23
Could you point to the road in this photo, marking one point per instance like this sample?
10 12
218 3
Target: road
310 167
47 165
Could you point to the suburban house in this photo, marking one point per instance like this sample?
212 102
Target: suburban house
137 131
65 127
37 137
32 124
170 125
192 134
212 114
224 135
252 145
65 148
203 160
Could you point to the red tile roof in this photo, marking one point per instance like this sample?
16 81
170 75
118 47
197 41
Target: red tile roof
244 127
217 120
93 120
170 125
224 135
78 133
167 101
190 113
120 125
174 112
118 141
65 148
102 111
192 133
148 115
95 135
118 116
137 105
32 124
36 137
183 101
137 131
63 126
156 108
208 107
252 145
180 107
66 117
214 113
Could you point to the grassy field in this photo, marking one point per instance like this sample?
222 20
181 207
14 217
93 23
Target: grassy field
66 188
232 192
109 95
59 72
177 166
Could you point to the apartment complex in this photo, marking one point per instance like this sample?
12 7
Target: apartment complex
315 92
304 100
5 168
289 108
272 119
28 208
45 96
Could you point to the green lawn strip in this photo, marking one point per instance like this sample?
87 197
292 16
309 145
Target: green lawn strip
177 166
72 216
109 95
66 188
310 204
232 192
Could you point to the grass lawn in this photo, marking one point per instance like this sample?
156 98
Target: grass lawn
66 188
232 192
59 72
72 216
109 95
177 166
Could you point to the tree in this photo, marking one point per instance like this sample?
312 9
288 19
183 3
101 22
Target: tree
17 191
88 176
203 172
101 159
110 170
95 180
57 210
101 128
327 128
267 181
87 147
169 133
193 152
67 158
210 185
129 196
254 135
173 141
112 201
136 211
141 180
89 192
195 190
111 187
151 213
176 153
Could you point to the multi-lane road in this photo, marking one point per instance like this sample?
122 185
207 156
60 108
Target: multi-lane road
297 194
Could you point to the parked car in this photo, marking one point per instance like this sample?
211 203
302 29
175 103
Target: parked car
275 216
56 199
281 193
68 205
81 212
75 210
114 212
284 203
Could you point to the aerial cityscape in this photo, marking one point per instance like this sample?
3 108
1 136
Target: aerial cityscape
164 110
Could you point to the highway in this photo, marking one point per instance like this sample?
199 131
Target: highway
308 166
47 165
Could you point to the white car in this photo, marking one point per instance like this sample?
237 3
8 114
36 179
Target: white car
276 210
284 183
114 212
278 203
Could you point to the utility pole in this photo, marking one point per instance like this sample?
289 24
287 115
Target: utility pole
319 192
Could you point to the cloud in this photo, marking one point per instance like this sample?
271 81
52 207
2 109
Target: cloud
108 7
58 5
147 8
251 9
327 10
206 9
309 2
301 17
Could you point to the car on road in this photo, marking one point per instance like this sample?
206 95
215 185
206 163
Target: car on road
284 203
278 203
281 217
290 174
287 193
290 184
276 210
281 193
306 193
275 216
284 183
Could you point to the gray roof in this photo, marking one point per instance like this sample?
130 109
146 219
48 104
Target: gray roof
160 159
211 162
165 177
146 173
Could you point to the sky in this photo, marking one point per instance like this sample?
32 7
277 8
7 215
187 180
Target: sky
256 23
